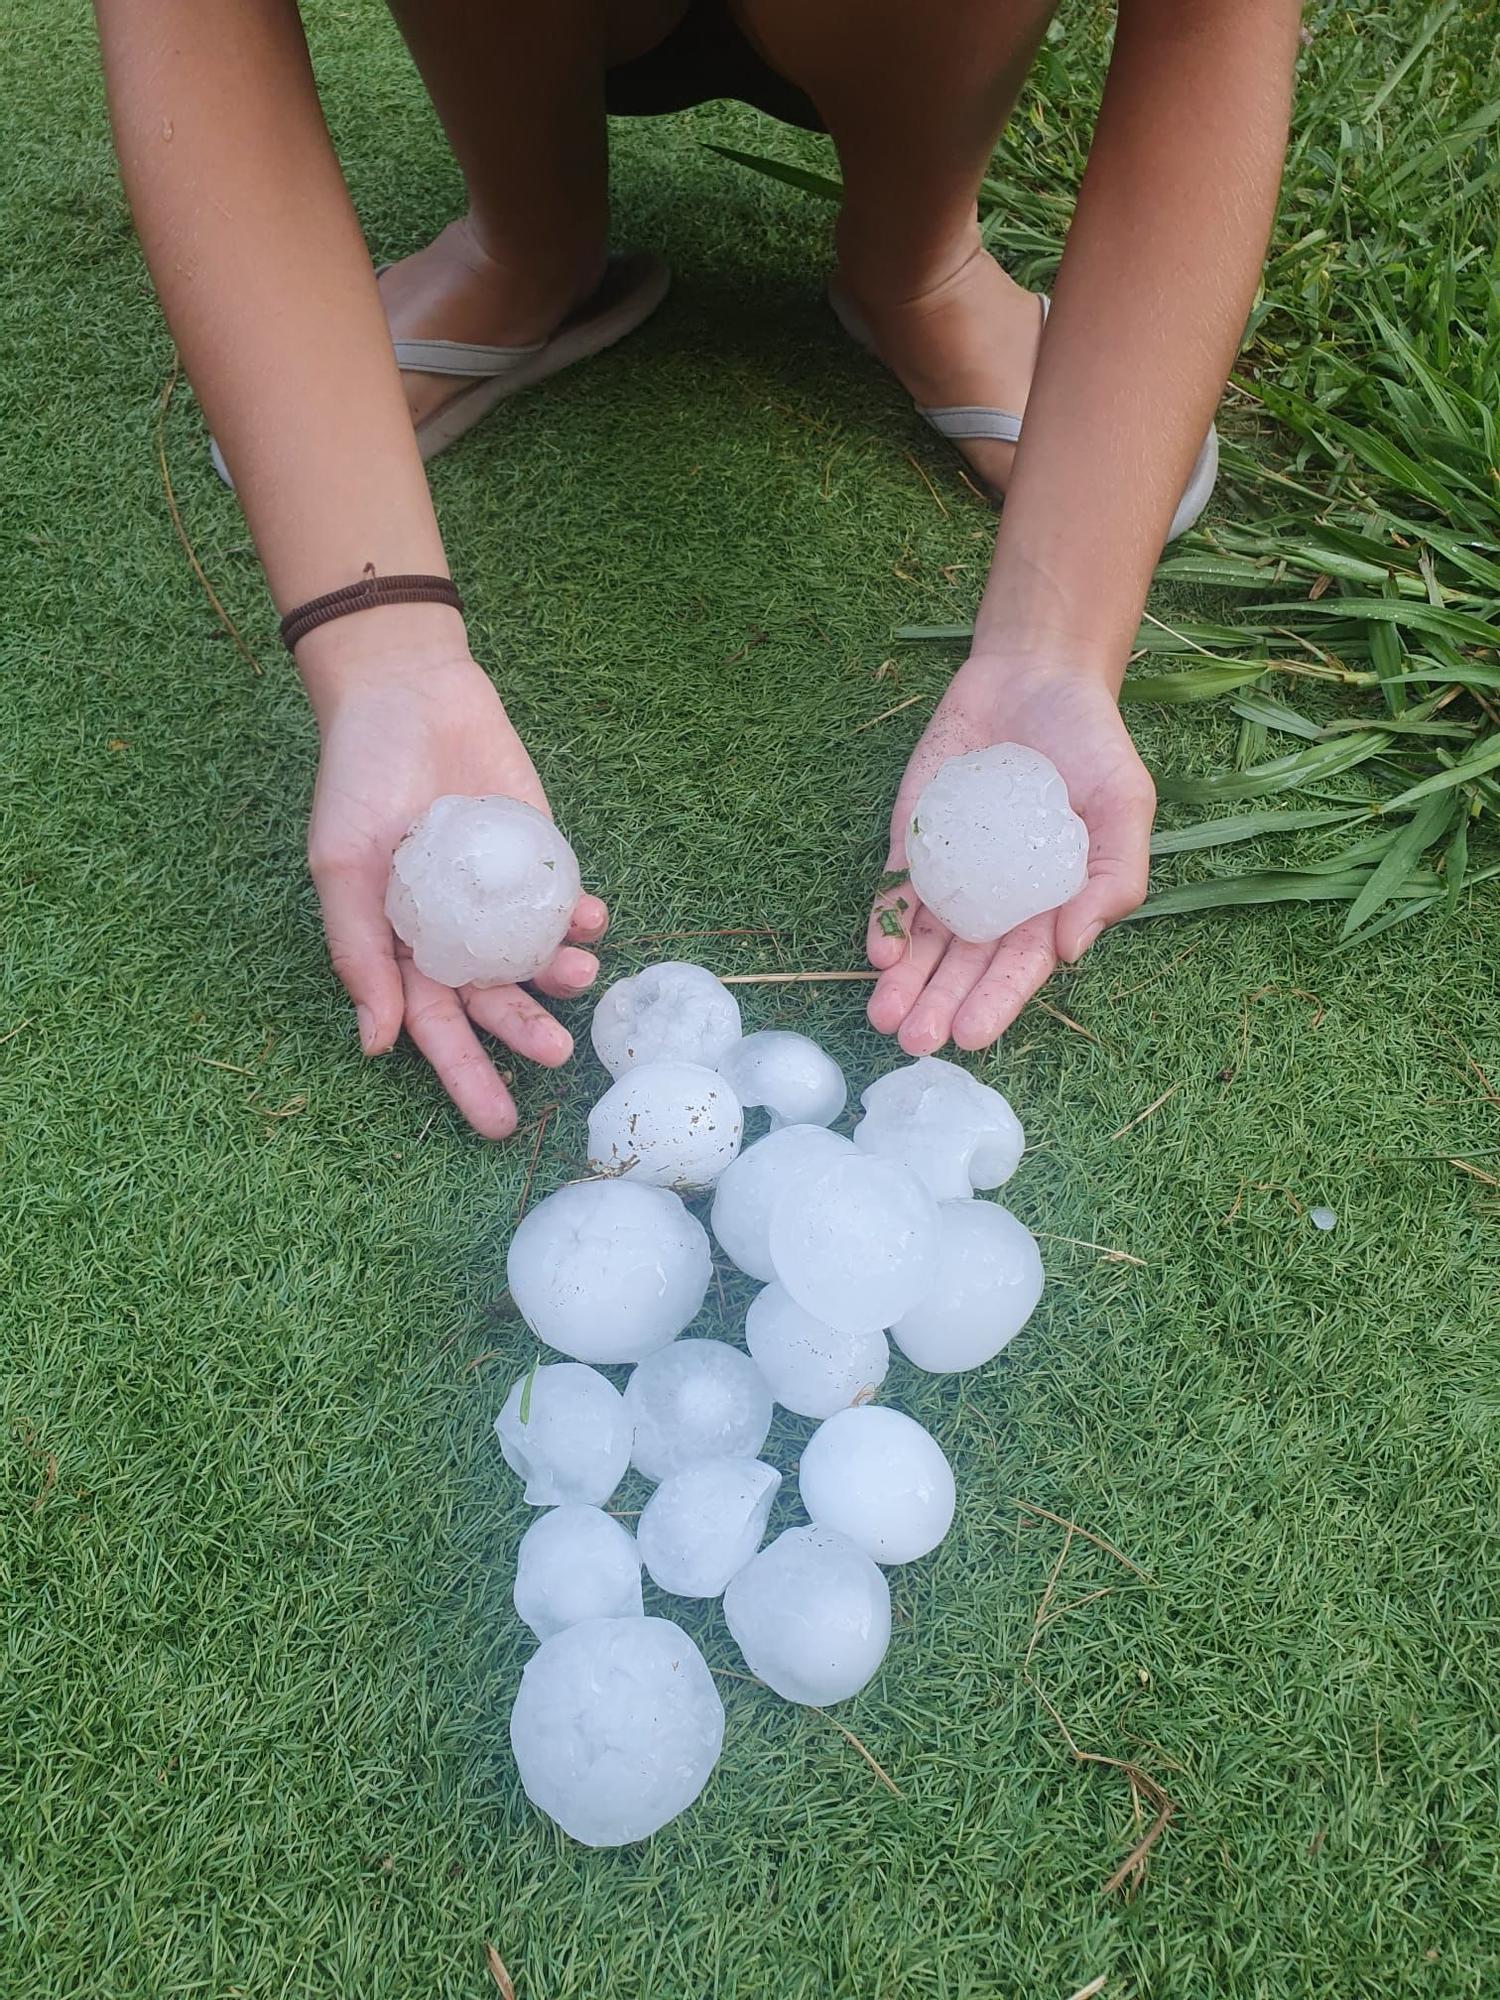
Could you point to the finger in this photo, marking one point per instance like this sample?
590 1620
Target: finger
898 986
930 1021
1023 963
892 917
1119 862
567 974
510 1013
437 1023
362 949
590 921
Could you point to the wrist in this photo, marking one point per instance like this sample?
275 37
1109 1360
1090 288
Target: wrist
392 642
1041 615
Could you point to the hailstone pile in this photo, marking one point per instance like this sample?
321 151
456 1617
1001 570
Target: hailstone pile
854 1242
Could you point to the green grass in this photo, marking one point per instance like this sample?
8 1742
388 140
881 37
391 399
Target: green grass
257 1540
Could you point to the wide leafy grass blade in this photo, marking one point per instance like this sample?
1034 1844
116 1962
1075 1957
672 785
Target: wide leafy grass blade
1428 823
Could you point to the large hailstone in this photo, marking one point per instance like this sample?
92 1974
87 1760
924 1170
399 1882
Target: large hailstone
879 1478
989 1278
954 1132
667 1124
796 1081
993 841
483 890
668 1013
575 1563
856 1245
573 1442
616 1727
695 1399
609 1270
811 1369
703 1524
744 1192
812 1616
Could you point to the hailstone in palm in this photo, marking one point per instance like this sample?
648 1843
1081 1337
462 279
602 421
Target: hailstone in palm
856 1244
609 1270
704 1523
695 1399
811 1369
993 840
879 1478
668 1013
796 1081
483 890
989 1278
954 1132
575 1563
744 1192
667 1124
616 1727
812 1616
565 1430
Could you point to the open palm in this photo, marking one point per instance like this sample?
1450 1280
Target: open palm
934 986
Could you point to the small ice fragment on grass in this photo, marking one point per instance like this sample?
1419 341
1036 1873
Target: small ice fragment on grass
796 1081
994 841
483 890
616 1727
668 1013
1321 1218
701 1526
695 1399
668 1124
576 1563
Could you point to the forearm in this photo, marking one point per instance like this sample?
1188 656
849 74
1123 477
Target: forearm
257 257
1151 299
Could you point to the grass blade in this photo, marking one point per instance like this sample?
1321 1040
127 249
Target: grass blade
1282 774
1427 824
822 185
1236 827
1485 756
1192 684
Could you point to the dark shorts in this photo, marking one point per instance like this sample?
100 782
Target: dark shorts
705 56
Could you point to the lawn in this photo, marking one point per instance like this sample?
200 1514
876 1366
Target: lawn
257 1542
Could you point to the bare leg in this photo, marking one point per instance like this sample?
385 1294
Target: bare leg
915 99
520 92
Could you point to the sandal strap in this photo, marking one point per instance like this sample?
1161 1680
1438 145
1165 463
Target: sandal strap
461 357
973 420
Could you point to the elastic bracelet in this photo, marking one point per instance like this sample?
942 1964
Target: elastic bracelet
369 594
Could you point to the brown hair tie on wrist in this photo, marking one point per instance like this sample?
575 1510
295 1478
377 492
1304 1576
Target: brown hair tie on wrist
368 594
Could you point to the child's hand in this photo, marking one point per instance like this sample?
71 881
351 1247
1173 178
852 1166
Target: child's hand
397 735
933 985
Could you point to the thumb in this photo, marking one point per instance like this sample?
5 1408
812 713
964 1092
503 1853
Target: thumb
362 949
1119 861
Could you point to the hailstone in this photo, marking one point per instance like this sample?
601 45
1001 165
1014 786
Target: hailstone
704 1523
993 841
954 1132
575 1563
609 1270
811 1614
668 1013
810 1368
667 1124
695 1399
483 890
573 1440
796 1081
743 1193
879 1478
989 1278
616 1727
856 1245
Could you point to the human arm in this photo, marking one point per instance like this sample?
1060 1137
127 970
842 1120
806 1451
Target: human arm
1151 298
266 284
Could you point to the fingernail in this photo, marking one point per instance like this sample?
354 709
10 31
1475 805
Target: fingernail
1087 939
366 1029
